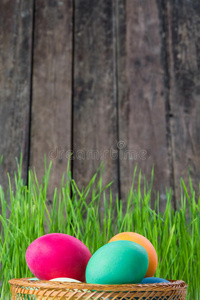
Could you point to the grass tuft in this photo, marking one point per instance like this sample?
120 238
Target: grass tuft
174 234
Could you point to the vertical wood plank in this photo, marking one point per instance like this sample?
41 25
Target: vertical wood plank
184 89
94 104
142 96
15 76
51 103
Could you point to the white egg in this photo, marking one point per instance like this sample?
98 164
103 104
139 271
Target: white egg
63 279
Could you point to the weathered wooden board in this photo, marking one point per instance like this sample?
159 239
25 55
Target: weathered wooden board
94 102
51 99
15 75
184 88
142 96
109 77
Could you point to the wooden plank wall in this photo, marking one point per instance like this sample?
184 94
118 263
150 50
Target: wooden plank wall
114 80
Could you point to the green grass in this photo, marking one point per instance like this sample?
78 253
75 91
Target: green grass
174 234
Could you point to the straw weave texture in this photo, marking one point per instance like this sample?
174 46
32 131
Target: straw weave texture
24 289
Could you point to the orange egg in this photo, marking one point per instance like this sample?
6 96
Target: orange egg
141 240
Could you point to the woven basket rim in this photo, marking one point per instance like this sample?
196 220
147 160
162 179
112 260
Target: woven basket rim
25 282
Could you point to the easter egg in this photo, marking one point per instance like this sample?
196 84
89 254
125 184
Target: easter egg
119 262
63 279
57 255
141 240
148 280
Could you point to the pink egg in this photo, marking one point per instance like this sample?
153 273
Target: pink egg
57 255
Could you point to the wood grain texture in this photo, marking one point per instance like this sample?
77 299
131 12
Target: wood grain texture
142 96
183 41
15 73
109 77
51 103
94 103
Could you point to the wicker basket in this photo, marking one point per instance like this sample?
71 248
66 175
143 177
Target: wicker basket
26 289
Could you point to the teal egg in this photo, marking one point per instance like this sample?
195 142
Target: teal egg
153 280
118 262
